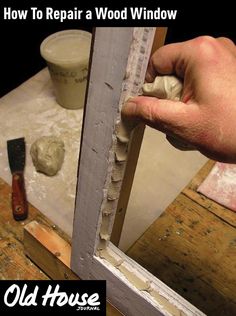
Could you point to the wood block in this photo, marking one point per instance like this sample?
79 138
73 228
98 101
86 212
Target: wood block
49 251
52 254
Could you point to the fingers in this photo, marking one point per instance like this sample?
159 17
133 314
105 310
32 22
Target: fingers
174 58
169 59
163 61
171 117
205 118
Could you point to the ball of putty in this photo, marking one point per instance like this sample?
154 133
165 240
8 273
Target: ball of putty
47 154
164 87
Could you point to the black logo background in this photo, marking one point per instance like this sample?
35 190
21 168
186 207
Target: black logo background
68 287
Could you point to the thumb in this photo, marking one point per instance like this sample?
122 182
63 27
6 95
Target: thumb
171 117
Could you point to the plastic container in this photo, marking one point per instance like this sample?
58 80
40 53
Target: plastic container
67 56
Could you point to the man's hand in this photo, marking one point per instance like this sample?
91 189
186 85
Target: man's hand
206 115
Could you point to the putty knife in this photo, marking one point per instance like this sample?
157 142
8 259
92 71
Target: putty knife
16 158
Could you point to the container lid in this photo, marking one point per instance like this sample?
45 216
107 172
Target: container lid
66 47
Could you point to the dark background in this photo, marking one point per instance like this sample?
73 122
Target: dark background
20 40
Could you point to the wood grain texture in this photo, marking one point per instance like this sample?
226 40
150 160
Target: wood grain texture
191 248
48 250
44 246
15 265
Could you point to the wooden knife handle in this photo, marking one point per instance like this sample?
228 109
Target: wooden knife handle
19 201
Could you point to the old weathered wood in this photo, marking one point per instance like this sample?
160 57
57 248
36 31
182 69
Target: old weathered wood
193 251
13 264
40 239
48 250
104 150
52 254
132 160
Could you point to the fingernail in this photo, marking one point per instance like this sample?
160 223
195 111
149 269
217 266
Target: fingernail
128 107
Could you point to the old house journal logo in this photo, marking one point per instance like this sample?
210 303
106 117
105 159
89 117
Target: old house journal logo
86 296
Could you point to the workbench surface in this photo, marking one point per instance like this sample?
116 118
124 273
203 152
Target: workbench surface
31 111
191 247
14 265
